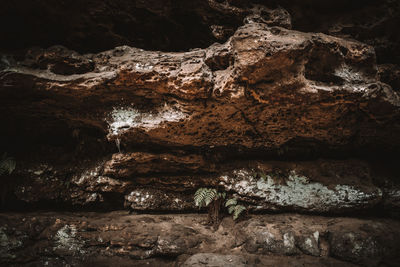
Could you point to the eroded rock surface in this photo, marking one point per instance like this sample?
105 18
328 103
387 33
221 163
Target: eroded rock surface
210 259
144 129
78 239
282 110
175 119
306 86
163 183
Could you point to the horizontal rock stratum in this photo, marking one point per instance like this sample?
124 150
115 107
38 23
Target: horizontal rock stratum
57 239
184 120
264 88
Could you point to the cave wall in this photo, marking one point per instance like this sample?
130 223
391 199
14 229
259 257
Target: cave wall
289 106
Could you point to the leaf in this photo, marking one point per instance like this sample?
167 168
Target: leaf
7 165
222 195
231 209
210 196
200 196
238 210
230 202
204 196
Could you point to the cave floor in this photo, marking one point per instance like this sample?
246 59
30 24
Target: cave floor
124 239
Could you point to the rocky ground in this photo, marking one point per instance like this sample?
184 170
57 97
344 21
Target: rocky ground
290 107
87 239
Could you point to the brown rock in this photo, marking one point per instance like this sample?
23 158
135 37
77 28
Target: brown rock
390 74
139 163
210 259
83 238
271 116
165 182
275 93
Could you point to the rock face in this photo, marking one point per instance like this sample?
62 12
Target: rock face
210 259
78 239
179 119
136 104
163 98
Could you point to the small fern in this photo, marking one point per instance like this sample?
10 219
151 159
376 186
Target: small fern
210 196
222 195
231 209
199 196
204 196
238 210
7 164
234 208
231 202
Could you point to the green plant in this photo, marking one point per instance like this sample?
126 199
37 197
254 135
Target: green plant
7 164
204 196
211 198
234 208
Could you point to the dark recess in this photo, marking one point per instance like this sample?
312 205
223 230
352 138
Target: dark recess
94 25
91 26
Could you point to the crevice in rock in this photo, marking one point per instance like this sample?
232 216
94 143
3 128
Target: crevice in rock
291 124
372 22
321 67
94 26
220 61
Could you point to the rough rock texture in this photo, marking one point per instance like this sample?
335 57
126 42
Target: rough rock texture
93 26
390 74
372 22
323 186
163 98
210 259
144 129
287 106
80 239
178 119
